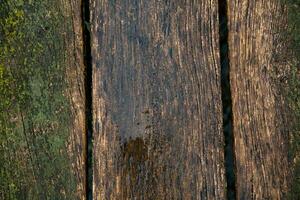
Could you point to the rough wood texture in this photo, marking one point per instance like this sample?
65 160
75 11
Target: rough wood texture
156 100
260 135
42 122
76 72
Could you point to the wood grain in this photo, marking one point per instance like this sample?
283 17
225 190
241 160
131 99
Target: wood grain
156 100
260 132
76 77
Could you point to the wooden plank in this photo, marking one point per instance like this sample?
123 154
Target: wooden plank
42 109
260 129
156 100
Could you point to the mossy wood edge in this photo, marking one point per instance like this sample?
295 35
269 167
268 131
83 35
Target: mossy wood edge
290 53
42 108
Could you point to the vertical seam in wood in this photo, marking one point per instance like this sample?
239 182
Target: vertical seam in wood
88 97
229 153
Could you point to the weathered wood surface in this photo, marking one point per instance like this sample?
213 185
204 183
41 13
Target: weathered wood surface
42 119
260 132
157 117
156 100
76 76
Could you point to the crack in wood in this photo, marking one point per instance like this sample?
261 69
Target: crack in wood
88 97
226 102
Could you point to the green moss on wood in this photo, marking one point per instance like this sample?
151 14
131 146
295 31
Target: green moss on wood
34 111
292 90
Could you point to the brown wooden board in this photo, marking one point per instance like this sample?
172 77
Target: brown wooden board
259 121
156 100
42 106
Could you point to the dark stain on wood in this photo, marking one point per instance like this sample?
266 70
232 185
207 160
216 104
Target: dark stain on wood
156 87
